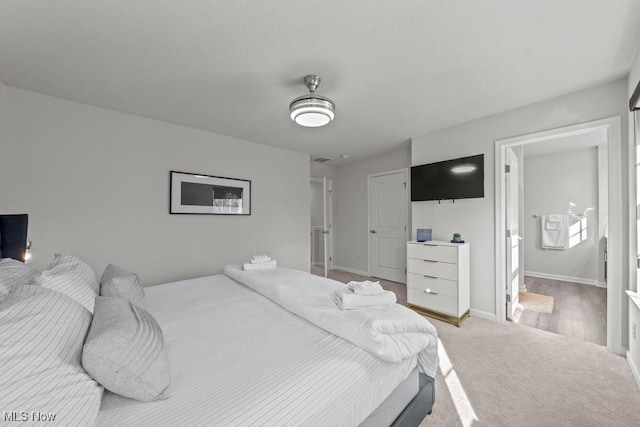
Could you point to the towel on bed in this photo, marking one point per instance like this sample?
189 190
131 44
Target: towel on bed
347 300
366 288
261 266
257 259
392 333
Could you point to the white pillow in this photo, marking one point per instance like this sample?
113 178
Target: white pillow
41 336
14 273
72 277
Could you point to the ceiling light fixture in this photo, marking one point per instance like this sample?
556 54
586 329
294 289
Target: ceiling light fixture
312 110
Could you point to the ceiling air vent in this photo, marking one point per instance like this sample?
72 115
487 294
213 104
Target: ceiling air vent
321 159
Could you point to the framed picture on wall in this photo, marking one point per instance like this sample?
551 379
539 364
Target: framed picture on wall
191 193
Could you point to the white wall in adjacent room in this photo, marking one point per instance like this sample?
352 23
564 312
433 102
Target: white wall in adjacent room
319 170
557 183
317 204
474 218
95 183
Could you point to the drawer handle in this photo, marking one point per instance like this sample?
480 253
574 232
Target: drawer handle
429 260
429 291
429 244
429 277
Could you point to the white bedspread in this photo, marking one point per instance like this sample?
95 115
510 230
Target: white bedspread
238 359
393 332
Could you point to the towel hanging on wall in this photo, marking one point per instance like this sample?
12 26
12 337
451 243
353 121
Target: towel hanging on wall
554 234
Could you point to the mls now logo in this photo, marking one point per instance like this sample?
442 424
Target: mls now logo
28 416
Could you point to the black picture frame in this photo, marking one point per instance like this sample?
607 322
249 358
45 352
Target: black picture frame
201 194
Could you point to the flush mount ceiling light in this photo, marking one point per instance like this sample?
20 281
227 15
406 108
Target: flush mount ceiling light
312 110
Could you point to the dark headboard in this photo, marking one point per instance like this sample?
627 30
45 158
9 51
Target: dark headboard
13 236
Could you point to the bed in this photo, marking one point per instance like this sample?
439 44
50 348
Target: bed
238 359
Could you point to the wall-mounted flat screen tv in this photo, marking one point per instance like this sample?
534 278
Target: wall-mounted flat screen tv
461 178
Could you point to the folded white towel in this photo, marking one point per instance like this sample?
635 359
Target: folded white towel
554 238
554 217
365 288
260 258
347 300
258 261
269 265
552 225
392 333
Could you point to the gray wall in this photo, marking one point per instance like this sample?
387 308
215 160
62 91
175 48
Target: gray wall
632 81
96 185
474 218
552 182
352 235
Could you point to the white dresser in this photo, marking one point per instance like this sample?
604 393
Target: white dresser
438 279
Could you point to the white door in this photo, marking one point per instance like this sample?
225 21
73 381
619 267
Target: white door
513 233
388 217
327 192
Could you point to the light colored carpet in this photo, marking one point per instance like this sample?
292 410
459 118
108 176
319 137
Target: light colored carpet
505 374
537 302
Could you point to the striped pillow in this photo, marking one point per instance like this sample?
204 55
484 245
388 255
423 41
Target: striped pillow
41 337
124 351
72 277
14 273
118 282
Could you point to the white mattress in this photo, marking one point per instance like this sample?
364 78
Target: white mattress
239 359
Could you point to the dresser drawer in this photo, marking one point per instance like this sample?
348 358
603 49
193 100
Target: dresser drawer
440 286
441 303
433 252
436 269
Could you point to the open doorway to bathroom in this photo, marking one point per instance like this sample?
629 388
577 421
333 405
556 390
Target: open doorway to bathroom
563 196
556 206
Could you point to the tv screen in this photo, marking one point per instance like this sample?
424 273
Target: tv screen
461 178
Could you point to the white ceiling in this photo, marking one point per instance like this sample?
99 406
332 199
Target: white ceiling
394 69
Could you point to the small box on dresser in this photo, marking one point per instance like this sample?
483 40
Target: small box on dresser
438 279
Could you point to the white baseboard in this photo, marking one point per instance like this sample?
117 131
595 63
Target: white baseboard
634 371
483 314
351 270
580 280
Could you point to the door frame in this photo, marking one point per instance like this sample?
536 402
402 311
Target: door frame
615 243
331 227
407 201
512 303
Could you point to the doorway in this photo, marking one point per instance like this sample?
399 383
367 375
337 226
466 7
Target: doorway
584 224
560 202
321 226
388 208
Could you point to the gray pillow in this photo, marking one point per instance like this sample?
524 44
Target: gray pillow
124 351
14 273
118 282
